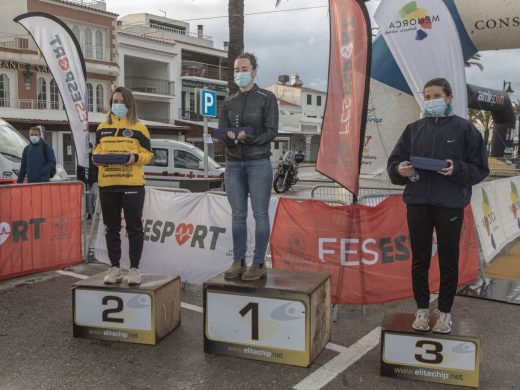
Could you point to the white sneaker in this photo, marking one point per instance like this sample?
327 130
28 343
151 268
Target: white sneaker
443 324
134 276
113 275
422 318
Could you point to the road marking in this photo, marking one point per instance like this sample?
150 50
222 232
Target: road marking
189 306
340 363
73 274
433 297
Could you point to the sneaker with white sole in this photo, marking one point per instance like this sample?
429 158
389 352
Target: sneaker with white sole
443 324
134 276
421 322
113 275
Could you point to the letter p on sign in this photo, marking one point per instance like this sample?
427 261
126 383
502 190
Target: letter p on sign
208 103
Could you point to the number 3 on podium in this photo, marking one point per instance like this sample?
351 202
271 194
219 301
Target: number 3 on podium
436 352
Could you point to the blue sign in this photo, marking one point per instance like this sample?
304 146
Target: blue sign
208 103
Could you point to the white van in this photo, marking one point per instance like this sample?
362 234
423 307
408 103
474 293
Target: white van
12 144
177 164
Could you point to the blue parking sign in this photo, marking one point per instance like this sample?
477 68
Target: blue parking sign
208 103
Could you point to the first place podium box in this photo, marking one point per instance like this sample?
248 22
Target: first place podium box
144 313
283 318
452 358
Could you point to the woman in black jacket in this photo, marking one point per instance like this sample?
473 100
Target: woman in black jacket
437 199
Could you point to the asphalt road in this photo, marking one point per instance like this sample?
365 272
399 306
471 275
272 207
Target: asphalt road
37 350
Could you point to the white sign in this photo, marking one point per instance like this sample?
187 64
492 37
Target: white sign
413 31
427 352
508 205
489 225
207 139
185 234
111 309
261 322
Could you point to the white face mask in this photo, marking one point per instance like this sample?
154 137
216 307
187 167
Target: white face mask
34 139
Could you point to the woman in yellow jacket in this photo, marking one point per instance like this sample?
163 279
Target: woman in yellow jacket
121 185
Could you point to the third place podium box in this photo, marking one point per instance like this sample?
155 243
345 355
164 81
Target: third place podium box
452 358
143 313
284 318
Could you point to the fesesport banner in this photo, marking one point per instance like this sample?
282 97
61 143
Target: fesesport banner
365 249
40 227
417 32
488 219
63 55
344 120
185 234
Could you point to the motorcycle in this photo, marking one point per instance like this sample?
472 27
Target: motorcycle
287 172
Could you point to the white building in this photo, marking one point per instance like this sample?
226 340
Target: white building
301 115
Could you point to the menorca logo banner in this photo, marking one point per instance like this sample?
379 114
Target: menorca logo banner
344 121
424 41
61 50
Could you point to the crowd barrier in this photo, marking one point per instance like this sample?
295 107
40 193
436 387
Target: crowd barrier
40 227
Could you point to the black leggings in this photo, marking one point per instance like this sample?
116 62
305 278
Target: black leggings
131 202
448 225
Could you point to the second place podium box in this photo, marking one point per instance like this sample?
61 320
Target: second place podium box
142 314
284 318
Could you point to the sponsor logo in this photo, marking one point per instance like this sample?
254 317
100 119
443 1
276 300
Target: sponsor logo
127 133
61 227
197 236
288 312
488 97
70 79
515 204
492 24
489 217
347 46
413 18
21 230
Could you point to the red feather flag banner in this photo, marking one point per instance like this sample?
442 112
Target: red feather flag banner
344 121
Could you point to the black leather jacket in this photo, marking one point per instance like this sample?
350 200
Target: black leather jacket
257 108
446 138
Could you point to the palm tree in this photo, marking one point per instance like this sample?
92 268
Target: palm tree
236 37
484 119
474 60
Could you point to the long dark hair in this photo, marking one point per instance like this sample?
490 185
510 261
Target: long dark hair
129 102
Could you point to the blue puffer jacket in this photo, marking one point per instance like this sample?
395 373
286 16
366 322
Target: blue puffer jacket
35 165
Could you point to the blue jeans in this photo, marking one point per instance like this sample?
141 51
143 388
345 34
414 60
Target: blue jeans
254 178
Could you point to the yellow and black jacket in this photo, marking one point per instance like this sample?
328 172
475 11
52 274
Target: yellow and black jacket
120 137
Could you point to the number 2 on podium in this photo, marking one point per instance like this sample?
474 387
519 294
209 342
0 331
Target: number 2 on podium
253 307
117 309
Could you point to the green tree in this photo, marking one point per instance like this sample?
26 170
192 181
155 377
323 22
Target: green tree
236 37
484 119
474 60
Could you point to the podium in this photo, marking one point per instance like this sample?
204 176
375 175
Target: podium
144 313
452 358
283 318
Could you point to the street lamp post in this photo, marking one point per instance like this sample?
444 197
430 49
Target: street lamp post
506 86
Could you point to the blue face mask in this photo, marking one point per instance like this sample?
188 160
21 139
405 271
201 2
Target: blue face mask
120 110
437 107
34 139
243 79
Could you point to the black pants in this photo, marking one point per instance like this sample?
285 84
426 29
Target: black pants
131 202
448 225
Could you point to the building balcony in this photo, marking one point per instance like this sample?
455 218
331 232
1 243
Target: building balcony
194 116
24 42
207 71
150 85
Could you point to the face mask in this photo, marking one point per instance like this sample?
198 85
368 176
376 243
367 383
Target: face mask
119 109
34 139
435 107
243 79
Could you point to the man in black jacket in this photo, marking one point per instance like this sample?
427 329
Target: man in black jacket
437 199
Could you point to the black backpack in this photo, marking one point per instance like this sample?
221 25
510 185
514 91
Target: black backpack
52 173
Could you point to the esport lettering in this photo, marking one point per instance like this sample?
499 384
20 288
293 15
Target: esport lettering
200 236
21 230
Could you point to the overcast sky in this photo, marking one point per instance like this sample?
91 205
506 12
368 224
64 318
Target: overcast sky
295 41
